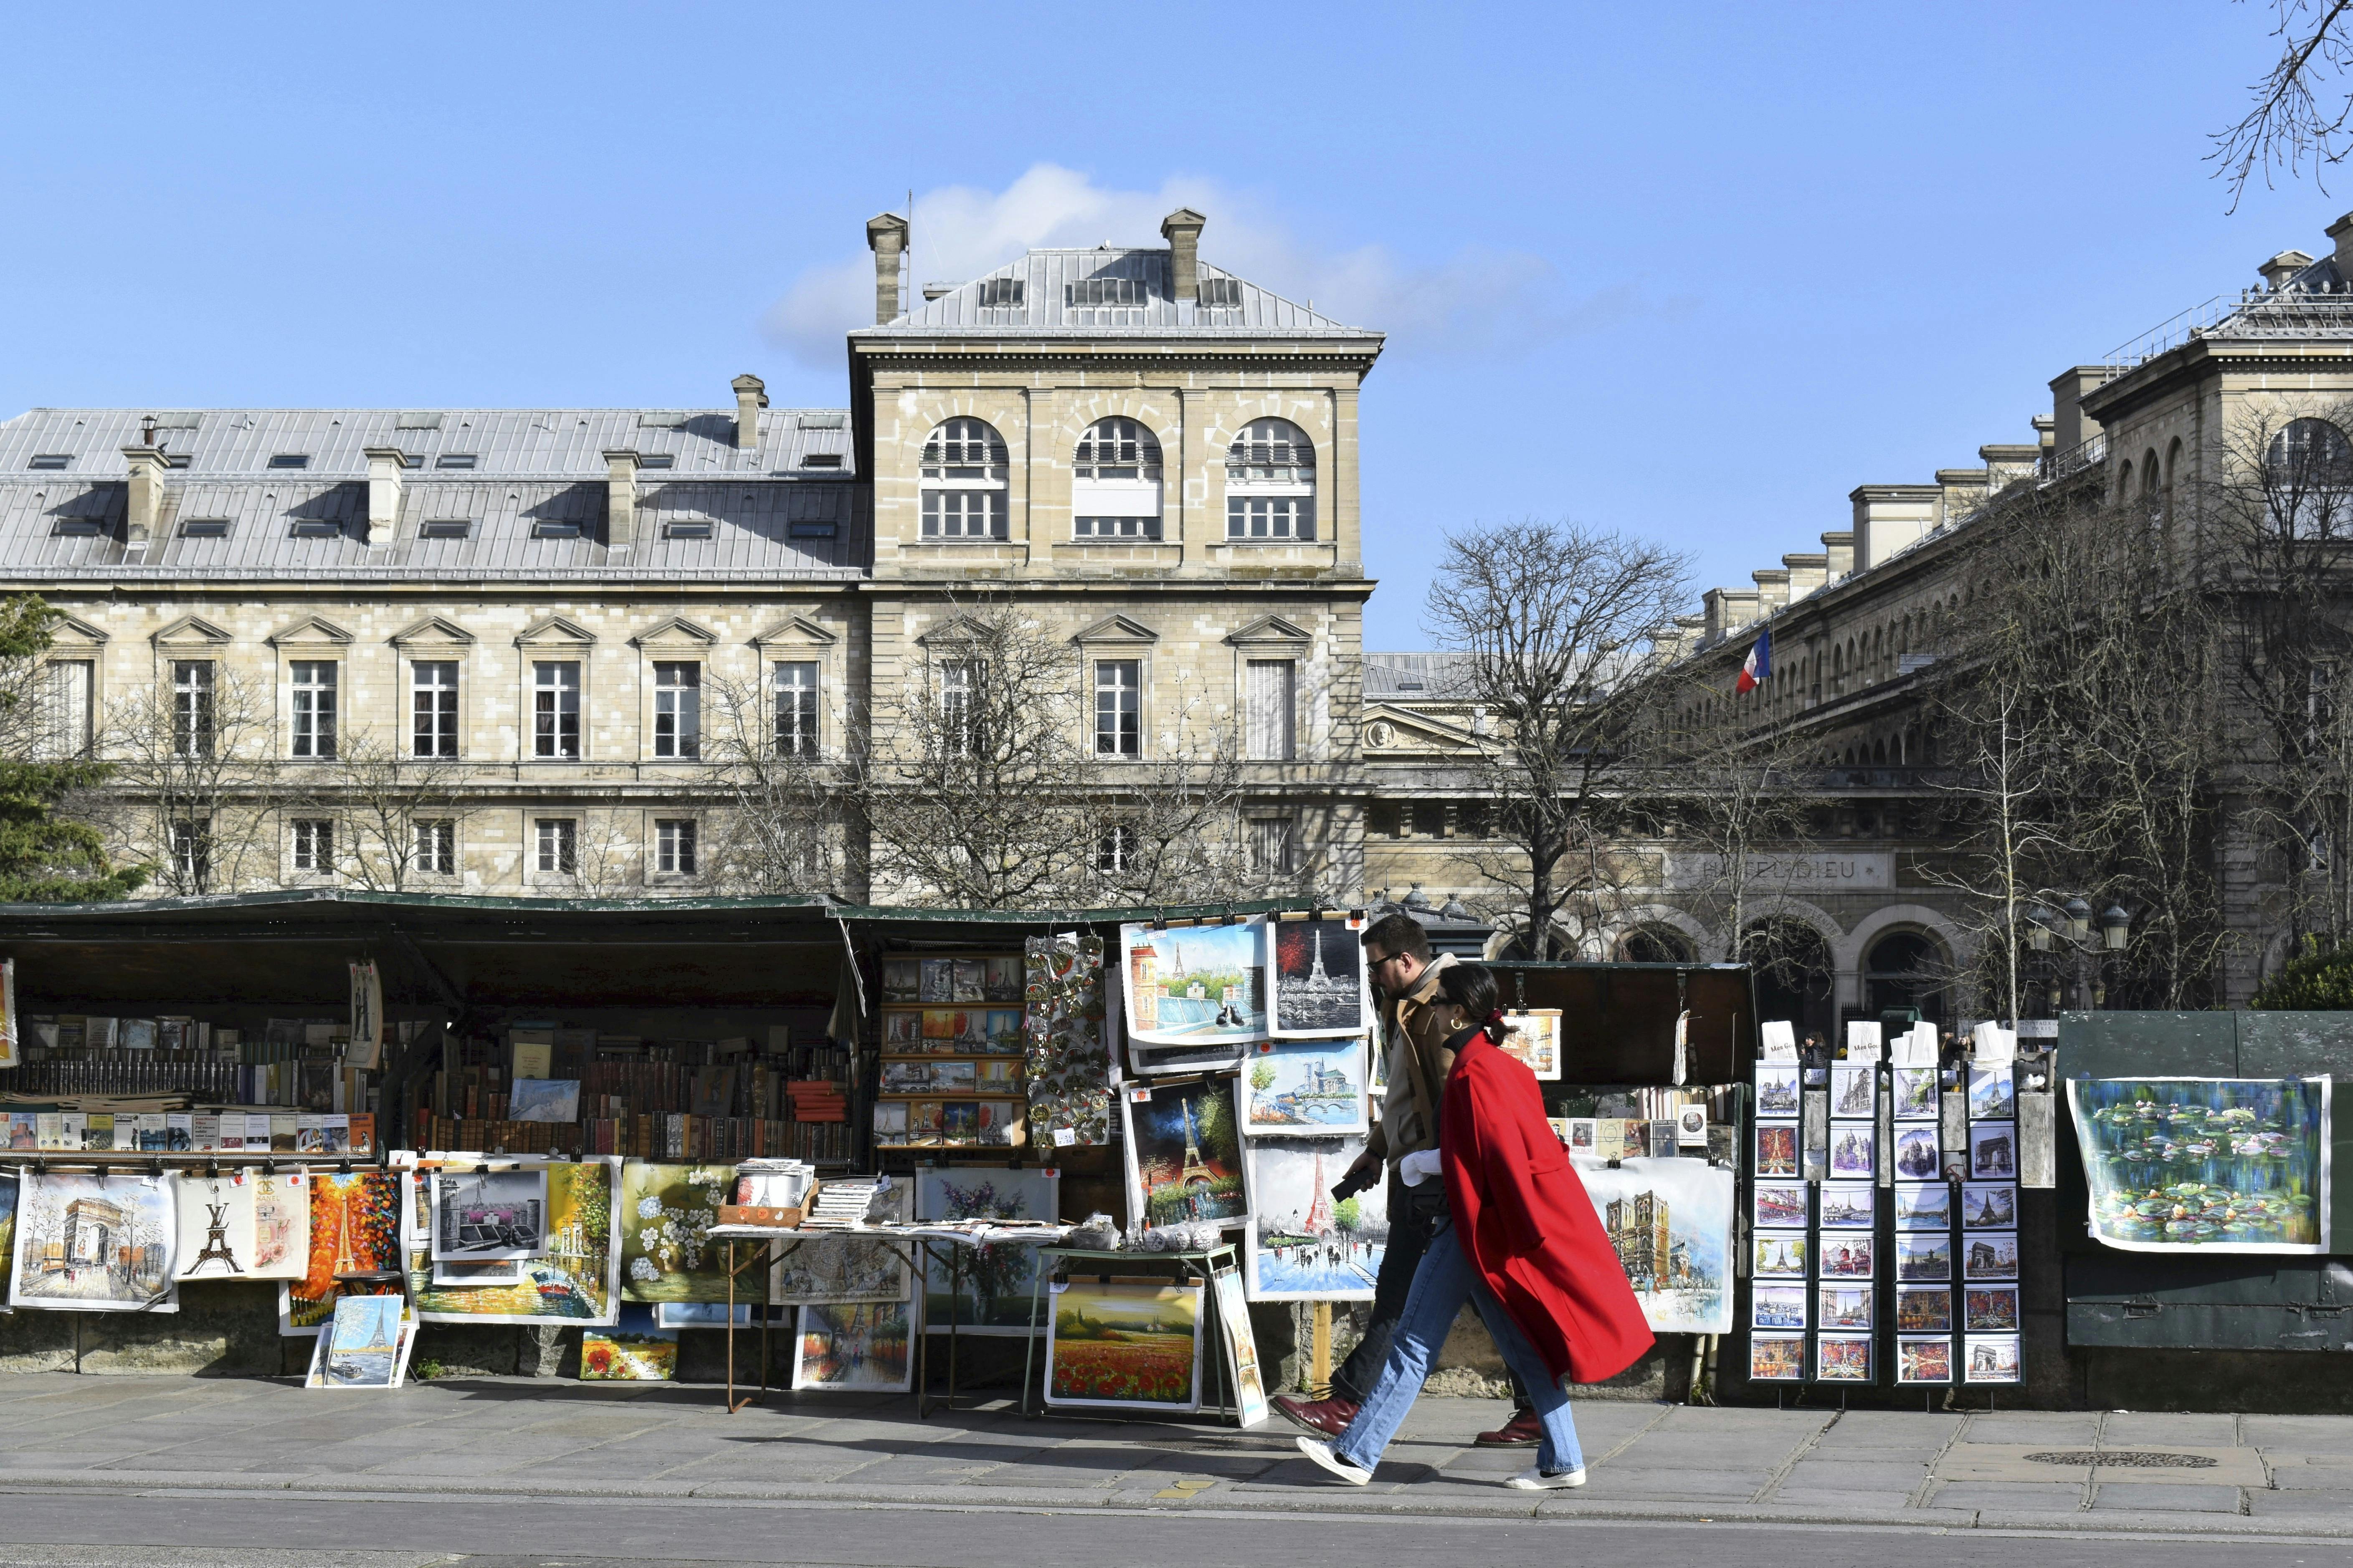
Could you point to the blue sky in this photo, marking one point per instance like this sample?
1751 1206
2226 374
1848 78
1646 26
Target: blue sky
1692 271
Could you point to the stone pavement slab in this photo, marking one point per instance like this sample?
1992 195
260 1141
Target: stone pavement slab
2168 1495
2029 1497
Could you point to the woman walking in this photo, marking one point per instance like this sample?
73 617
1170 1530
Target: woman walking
1521 1244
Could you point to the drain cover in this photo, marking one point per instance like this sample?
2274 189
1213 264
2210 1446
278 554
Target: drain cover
2126 1458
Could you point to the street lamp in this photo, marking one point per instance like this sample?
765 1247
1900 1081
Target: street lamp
2039 922
2079 920
2116 926
2069 929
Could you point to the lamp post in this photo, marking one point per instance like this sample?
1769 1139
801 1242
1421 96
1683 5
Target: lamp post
2071 929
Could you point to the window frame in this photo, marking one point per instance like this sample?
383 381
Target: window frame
807 725
1282 749
1117 489
678 709
444 727
1270 475
677 846
1286 861
313 704
195 711
1118 688
964 458
310 846
552 730
433 846
70 719
559 836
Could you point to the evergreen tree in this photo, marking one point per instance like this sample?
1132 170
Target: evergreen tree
45 858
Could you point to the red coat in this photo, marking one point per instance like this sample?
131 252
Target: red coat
1526 1223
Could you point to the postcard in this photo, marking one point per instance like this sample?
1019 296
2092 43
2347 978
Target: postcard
1992 1358
1924 1257
1915 1094
1991 1095
1779 1254
1924 1360
1776 1091
1854 1150
1847 1255
1854 1091
1989 1255
1780 1204
1777 1149
1842 1358
1924 1310
1923 1206
1989 1205
1845 1307
1989 1309
1993 1151
1916 1153
1776 1307
1848 1206
1321 987
1776 1358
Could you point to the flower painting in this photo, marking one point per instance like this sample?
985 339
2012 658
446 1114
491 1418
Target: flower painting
636 1350
2202 1165
1124 1346
984 1290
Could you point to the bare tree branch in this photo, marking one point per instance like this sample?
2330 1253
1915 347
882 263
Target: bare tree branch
2288 123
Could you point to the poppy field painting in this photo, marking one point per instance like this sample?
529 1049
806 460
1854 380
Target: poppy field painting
1126 1344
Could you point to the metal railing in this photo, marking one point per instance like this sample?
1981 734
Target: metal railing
2247 313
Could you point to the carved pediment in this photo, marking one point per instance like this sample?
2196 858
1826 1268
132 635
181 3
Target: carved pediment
309 629
1270 630
191 630
675 631
432 629
1117 628
1389 729
795 629
556 629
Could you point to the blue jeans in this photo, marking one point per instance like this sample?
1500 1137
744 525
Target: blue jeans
1440 1285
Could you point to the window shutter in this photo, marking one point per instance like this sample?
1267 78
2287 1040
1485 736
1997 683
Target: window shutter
1269 701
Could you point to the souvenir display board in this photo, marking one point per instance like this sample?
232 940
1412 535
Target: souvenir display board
1066 1045
954 1044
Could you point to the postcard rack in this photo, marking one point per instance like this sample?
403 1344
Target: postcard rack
1884 1247
952 1051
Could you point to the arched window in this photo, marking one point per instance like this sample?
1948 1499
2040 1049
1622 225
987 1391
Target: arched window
2308 474
1655 944
1115 482
1271 483
963 481
1906 969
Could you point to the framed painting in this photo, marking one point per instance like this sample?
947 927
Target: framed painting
1305 1089
1124 1346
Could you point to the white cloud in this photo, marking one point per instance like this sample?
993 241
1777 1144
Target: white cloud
1477 301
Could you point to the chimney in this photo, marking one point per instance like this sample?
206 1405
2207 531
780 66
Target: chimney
751 396
2070 429
1806 572
620 499
2283 266
1837 554
886 236
385 464
1182 230
148 466
1772 588
2341 232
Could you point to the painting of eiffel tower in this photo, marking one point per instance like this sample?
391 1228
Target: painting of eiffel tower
1187 1157
1319 979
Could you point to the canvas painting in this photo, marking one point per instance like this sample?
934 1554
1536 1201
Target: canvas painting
1184 1152
1915 1094
1780 1204
216 1217
1993 1151
1992 1096
1924 1360
1533 1036
1195 984
637 1349
864 1348
544 1099
1854 1091
361 1347
95 1244
1842 1358
1916 1153
1847 1255
1776 1307
1303 1244
1845 1307
1848 1205
1242 1345
355 1228
481 1216
1923 1259
281 1224
1989 1205
1989 1255
1777 1149
2205 1164
667 1212
1923 1206
9 1190
1300 1088
1776 1091
1776 1358
1924 1310
575 1280
840 1270
1989 1309
984 1290
1124 1346
1854 1150
1320 986
1992 1358
1779 1254
501 1271
902 979
1671 1221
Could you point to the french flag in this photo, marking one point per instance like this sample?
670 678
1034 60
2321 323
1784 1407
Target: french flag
1758 665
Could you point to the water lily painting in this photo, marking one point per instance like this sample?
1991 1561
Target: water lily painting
2206 1165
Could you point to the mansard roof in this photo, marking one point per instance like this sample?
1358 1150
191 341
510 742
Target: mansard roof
1111 293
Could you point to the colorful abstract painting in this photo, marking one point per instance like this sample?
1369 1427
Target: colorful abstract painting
2184 1165
355 1229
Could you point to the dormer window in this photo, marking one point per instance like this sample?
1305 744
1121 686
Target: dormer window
1271 484
688 528
1115 482
51 460
455 460
657 459
1221 293
290 459
962 483
204 528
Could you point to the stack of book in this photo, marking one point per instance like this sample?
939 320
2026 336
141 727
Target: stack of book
816 1100
842 1204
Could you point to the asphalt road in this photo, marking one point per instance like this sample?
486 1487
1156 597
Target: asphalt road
89 1530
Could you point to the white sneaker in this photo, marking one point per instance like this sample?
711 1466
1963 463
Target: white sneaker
1533 1479
1321 1452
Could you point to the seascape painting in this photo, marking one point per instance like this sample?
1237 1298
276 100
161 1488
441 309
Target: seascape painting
1320 986
1304 1088
95 1244
1671 1221
1195 984
1125 1346
1303 1244
860 1349
2204 1164
1184 1152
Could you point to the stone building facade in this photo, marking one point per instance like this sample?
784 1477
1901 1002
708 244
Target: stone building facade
559 613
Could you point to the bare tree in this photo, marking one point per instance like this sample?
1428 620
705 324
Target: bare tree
1551 621
1167 827
393 812
782 830
2298 111
197 785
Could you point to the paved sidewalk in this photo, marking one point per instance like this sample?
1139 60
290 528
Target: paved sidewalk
2250 1474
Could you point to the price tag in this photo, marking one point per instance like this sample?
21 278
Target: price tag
1064 1137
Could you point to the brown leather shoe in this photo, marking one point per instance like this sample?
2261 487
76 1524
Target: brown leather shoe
1521 1431
1326 1417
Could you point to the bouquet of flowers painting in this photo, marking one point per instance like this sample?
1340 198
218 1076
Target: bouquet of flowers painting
1303 1246
2203 1165
1124 1346
1184 1152
984 1290
865 1348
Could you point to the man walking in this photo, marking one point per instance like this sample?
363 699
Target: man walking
1416 1018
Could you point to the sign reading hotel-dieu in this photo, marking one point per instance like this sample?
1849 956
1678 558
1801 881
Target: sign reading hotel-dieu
1817 872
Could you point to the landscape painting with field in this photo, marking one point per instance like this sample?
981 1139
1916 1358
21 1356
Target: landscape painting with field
1124 1344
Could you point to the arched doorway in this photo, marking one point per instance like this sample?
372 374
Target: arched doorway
1794 977
1655 944
1906 969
